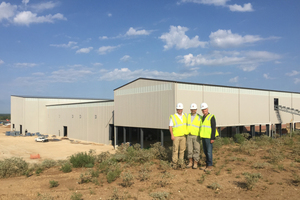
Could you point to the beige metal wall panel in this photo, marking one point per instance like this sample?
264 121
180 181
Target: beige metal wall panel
296 105
188 94
145 104
81 121
223 102
254 107
17 112
285 99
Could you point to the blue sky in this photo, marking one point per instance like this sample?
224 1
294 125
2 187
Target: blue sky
87 48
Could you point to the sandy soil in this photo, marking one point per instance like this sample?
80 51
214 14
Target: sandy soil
57 150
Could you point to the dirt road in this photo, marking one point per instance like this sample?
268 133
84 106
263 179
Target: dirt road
25 146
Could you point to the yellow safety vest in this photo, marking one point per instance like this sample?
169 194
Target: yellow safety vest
205 131
179 127
194 127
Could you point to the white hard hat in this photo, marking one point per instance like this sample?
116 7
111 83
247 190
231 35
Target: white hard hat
179 106
204 106
193 106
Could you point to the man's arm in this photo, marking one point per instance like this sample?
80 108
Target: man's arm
213 129
171 131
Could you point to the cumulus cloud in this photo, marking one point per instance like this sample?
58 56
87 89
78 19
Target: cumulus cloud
225 39
84 50
103 37
43 6
7 11
25 65
234 8
238 8
19 15
133 32
266 76
297 80
127 74
234 80
125 58
69 45
226 58
293 73
177 37
69 75
109 14
1 62
97 64
27 17
106 49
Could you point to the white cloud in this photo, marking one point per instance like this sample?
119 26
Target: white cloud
69 75
103 38
237 8
125 58
38 74
84 50
266 76
43 6
245 59
69 45
109 14
234 80
132 32
297 80
25 65
176 37
97 64
7 11
225 39
127 74
293 73
234 8
105 49
27 17
1 62
25 2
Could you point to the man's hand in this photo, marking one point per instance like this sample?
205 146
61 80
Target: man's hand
172 137
212 141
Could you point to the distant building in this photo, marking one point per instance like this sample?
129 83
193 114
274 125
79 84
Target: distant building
140 111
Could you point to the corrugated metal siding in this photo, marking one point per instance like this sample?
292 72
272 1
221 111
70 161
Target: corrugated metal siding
89 122
145 104
296 105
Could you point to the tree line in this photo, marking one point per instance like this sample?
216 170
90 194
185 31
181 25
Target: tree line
4 116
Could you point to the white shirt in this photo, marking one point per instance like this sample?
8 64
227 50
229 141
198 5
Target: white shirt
180 117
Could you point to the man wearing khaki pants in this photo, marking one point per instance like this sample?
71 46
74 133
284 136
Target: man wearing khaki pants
178 130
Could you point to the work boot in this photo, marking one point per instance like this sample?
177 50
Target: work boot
195 166
190 163
203 168
209 168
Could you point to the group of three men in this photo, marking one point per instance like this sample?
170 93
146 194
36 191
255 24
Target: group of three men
189 130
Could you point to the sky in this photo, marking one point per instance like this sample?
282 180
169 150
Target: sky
88 48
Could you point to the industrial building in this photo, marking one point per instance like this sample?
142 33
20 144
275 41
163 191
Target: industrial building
140 111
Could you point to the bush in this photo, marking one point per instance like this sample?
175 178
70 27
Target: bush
12 167
160 195
102 157
240 138
275 155
76 196
113 175
53 183
39 170
82 159
127 179
214 186
251 179
48 163
66 168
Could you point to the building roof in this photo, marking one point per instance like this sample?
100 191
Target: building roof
41 97
149 79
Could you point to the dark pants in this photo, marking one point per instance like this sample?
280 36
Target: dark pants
207 148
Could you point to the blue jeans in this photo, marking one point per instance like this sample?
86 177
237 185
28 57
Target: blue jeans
207 148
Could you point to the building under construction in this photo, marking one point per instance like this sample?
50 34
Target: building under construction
140 112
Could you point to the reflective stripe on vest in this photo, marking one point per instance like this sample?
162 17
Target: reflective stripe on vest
179 127
205 131
194 127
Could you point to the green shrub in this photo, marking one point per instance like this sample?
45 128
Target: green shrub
39 170
48 163
82 159
240 138
296 180
159 195
251 179
127 179
263 141
53 183
260 165
76 196
248 147
275 155
90 165
214 186
12 167
144 173
102 157
66 167
113 175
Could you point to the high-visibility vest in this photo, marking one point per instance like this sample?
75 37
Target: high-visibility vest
194 126
179 127
205 131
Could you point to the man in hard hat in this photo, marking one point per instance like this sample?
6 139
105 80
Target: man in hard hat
193 137
208 134
178 130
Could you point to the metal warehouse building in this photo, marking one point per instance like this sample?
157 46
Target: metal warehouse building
140 111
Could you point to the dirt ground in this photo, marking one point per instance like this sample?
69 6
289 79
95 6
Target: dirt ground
230 166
